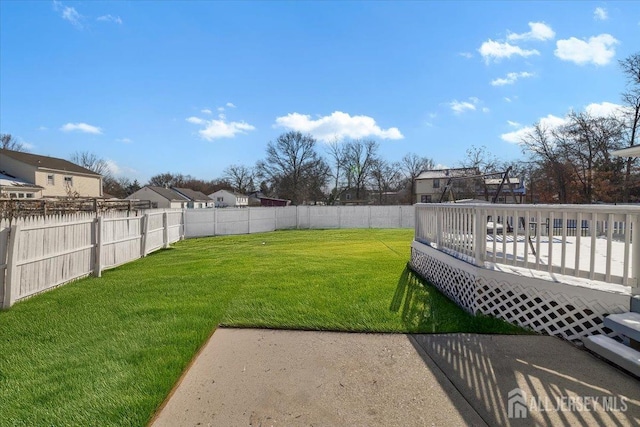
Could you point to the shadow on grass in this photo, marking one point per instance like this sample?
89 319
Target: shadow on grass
424 308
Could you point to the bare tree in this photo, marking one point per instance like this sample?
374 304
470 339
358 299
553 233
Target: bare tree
9 142
92 162
547 156
169 179
385 177
412 165
359 160
586 142
631 98
337 153
240 177
291 161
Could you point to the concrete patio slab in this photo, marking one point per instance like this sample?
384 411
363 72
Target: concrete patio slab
253 377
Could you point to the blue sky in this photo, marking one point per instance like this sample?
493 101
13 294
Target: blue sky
192 87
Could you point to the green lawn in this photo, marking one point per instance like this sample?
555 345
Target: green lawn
107 351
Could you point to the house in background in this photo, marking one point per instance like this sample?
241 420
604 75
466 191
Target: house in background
15 188
160 197
257 198
197 199
429 185
56 177
512 192
224 198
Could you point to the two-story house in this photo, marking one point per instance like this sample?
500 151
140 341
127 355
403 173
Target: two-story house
225 198
56 177
431 184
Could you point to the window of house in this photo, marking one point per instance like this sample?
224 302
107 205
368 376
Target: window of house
13 195
20 195
219 199
51 180
348 196
68 180
436 183
29 195
425 198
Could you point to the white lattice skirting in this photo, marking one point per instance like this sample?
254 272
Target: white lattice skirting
564 310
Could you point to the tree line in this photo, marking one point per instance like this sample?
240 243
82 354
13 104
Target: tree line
570 163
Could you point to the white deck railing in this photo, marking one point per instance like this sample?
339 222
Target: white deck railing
586 241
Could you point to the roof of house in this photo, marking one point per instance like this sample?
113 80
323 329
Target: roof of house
168 193
447 173
47 162
497 181
12 181
193 195
230 192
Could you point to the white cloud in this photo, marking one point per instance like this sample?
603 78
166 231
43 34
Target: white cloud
81 127
43 128
467 55
230 105
220 129
604 109
598 50
120 171
600 14
507 99
459 107
124 140
206 111
511 78
493 50
338 125
220 109
539 31
549 122
513 124
68 14
110 18
195 120
113 167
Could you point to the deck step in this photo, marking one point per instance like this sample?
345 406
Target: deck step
612 350
627 324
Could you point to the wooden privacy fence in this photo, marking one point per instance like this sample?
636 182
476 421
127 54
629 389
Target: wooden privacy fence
40 253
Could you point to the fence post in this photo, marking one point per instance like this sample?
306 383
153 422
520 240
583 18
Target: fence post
97 267
145 230
479 237
215 221
183 218
165 230
339 218
12 281
248 220
438 226
635 264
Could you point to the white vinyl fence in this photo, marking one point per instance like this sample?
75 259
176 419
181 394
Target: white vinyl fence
220 222
40 253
